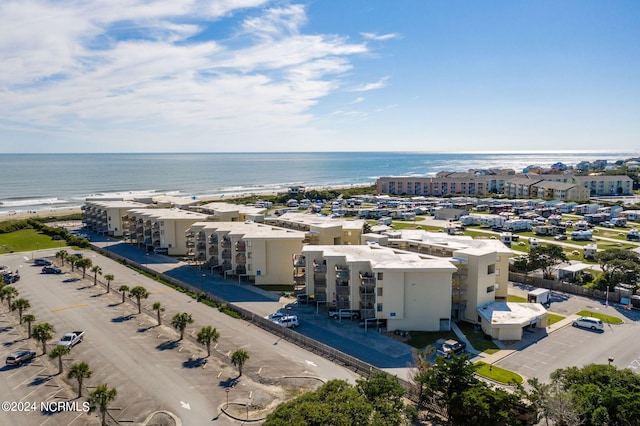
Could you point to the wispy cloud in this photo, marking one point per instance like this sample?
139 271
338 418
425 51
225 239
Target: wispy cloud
357 100
380 37
188 67
371 86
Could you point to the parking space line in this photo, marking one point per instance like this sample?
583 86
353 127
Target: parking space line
69 307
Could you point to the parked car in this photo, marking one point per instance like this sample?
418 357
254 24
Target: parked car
276 316
11 277
288 321
344 313
69 340
41 261
20 357
447 348
589 322
560 237
51 270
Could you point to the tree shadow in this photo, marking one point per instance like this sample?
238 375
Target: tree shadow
71 280
194 362
97 295
123 318
113 305
84 288
229 383
7 344
40 380
6 328
144 329
168 345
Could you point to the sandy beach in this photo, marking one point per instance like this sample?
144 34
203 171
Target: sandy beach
44 213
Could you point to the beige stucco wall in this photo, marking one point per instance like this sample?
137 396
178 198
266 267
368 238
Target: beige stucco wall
273 257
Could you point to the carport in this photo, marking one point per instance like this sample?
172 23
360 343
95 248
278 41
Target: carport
571 272
507 320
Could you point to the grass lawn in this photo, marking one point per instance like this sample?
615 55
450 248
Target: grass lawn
516 299
421 339
553 318
478 339
27 240
605 318
498 374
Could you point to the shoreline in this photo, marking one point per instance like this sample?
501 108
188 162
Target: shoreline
64 211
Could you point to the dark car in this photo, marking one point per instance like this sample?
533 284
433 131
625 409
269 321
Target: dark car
51 270
447 348
20 357
42 262
11 277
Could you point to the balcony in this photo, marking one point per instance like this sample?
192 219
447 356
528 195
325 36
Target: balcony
201 246
241 258
213 239
299 261
319 268
226 243
367 278
201 236
241 246
226 254
213 250
299 278
190 244
241 269
189 234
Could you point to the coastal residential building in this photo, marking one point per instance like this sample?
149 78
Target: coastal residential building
410 291
321 230
228 212
450 183
159 230
257 252
607 185
105 216
559 191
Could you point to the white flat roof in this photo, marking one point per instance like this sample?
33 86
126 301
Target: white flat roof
509 313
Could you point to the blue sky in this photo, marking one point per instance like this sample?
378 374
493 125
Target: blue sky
352 75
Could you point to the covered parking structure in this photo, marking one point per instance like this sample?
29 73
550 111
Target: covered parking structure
507 320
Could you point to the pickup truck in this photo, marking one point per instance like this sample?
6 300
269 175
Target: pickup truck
69 340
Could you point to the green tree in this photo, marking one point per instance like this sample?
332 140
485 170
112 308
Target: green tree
8 293
547 257
180 322
62 255
29 319
97 270
109 278
58 352
421 380
206 336
449 379
43 332
84 264
618 267
385 395
157 306
123 289
483 406
239 358
79 371
72 260
100 398
139 293
20 305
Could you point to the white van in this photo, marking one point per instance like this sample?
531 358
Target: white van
589 322
289 321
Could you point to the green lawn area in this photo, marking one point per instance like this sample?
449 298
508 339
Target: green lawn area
516 299
27 240
421 339
553 318
605 318
498 374
478 339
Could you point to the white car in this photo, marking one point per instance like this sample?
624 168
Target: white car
589 322
288 321
276 317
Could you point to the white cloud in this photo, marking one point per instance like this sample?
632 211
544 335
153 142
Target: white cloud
357 100
103 68
371 86
380 37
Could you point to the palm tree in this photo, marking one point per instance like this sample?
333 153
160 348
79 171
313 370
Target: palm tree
29 319
58 352
21 305
206 336
96 270
62 255
101 397
158 308
238 358
84 264
139 292
8 292
42 333
79 371
180 322
123 289
72 260
109 278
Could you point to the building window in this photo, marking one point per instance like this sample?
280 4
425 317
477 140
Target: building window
379 307
248 255
491 269
491 289
380 276
379 291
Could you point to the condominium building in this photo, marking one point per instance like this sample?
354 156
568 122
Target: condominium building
258 252
450 183
410 291
321 230
105 216
159 230
227 212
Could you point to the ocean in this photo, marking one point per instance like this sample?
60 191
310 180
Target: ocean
32 182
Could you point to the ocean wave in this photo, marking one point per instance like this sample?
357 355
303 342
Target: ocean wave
14 203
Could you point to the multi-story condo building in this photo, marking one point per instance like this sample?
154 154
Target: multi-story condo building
227 212
105 216
450 183
159 230
258 252
322 230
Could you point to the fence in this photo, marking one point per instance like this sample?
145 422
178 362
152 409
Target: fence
613 296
